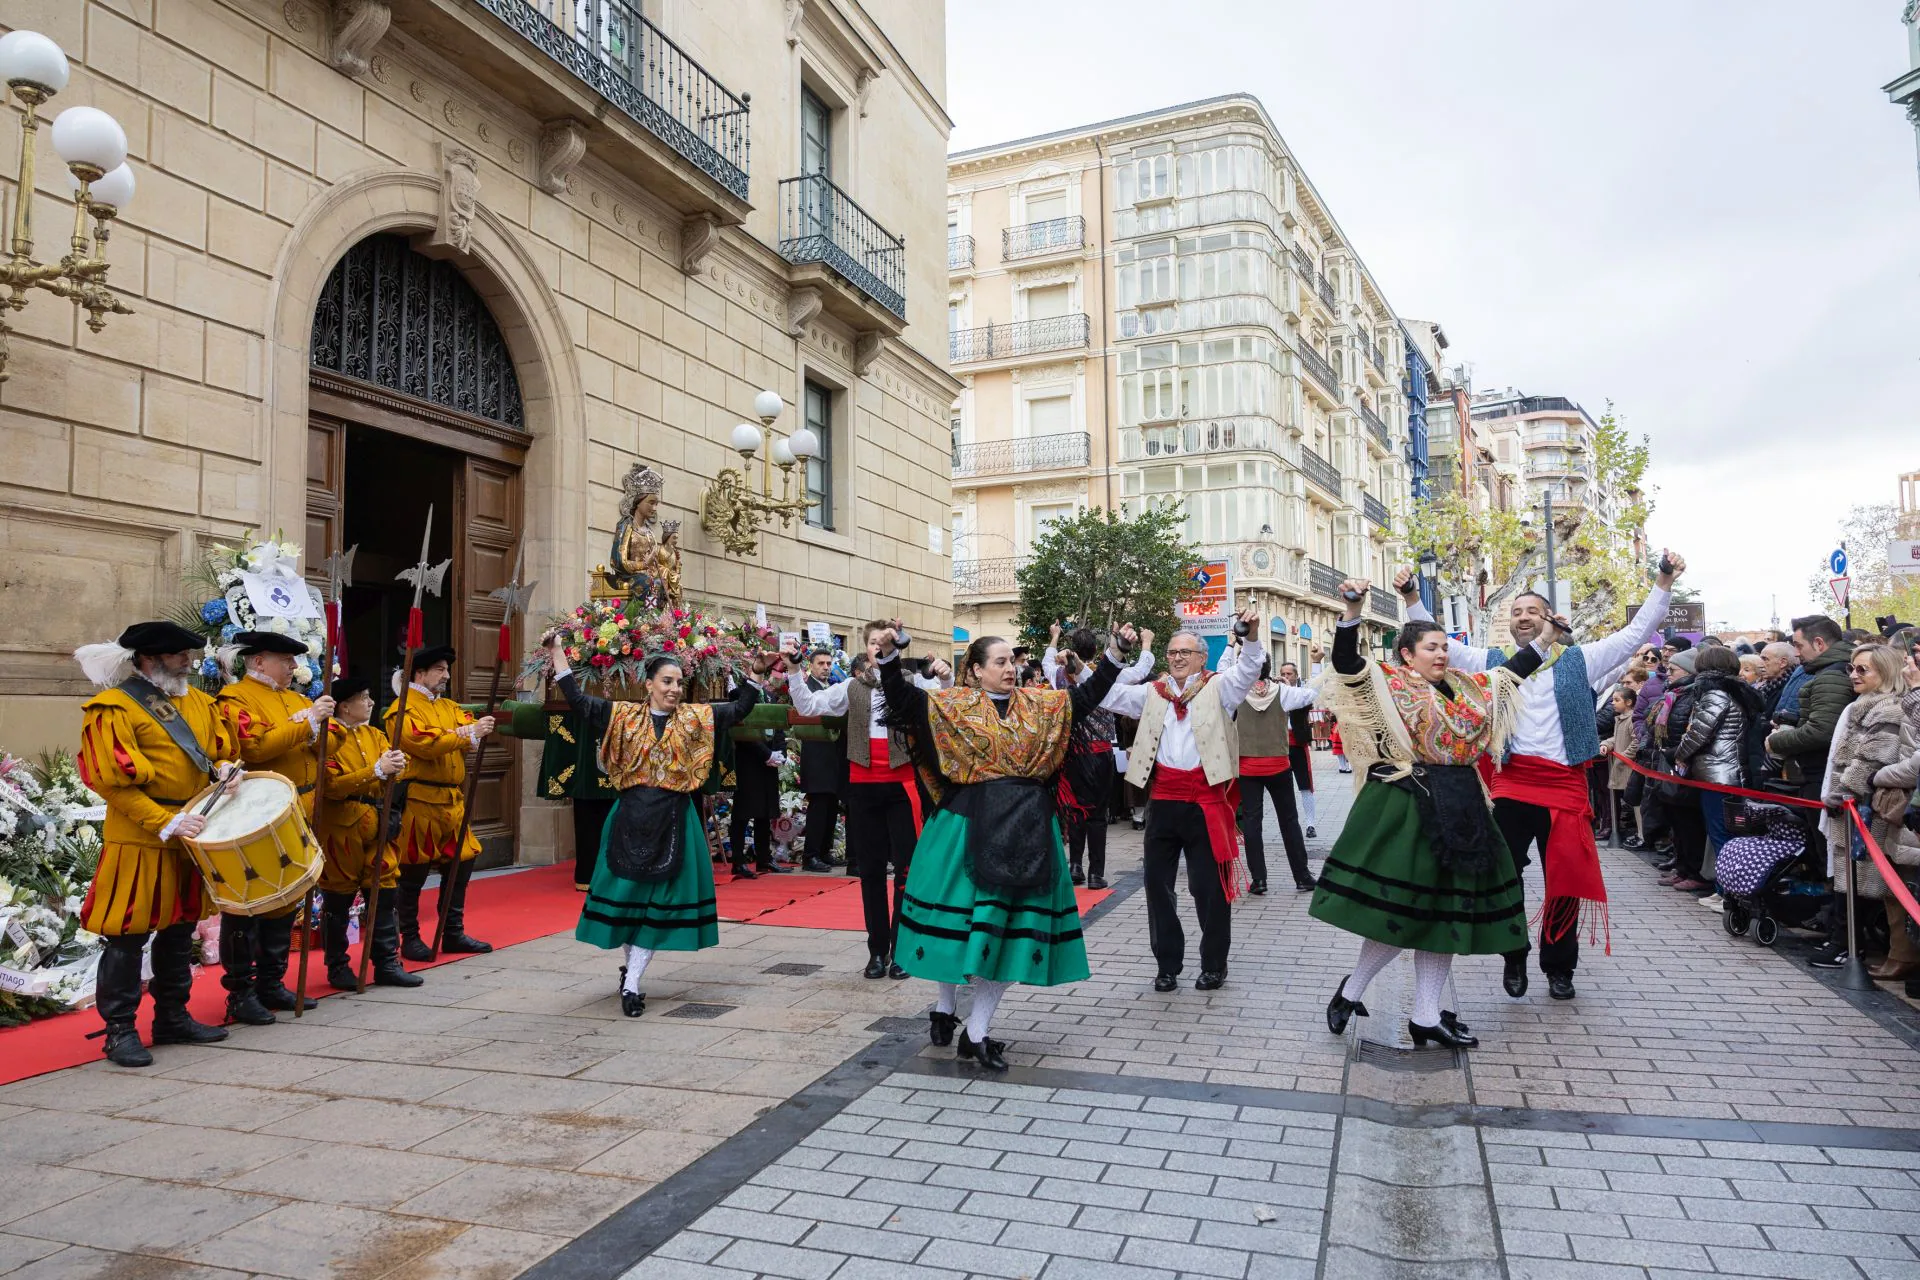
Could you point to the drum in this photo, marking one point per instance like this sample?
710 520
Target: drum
257 852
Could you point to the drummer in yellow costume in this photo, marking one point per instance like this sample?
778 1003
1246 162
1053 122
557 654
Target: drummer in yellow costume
437 737
359 764
278 731
149 743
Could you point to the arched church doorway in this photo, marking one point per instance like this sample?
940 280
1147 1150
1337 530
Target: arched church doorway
414 402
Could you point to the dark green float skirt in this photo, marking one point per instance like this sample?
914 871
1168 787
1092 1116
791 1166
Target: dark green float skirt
1382 882
679 914
951 930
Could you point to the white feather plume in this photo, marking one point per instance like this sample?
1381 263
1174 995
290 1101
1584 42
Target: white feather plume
106 665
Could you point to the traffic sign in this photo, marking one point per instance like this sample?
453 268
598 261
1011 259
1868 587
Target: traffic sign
1839 586
1837 562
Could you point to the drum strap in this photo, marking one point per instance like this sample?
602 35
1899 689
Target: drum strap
306 790
167 716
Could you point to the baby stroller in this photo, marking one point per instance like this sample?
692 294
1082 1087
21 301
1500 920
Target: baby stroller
1761 877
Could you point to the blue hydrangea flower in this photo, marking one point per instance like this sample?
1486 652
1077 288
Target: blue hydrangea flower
214 611
209 667
315 689
228 632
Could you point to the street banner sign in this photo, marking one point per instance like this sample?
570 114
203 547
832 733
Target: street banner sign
1903 557
1209 610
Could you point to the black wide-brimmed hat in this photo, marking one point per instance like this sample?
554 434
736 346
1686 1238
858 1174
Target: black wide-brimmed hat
349 687
252 642
160 637
431 654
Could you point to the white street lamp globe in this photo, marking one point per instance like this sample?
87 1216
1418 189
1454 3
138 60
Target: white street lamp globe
746 438
782 453
27 57
113 189
804 444
767 405
89 137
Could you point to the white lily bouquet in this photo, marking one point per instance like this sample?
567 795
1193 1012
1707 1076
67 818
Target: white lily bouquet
50 827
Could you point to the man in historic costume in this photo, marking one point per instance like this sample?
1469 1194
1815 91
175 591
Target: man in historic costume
756 801
885 809
1264 726
823 775
149 743
437 736
1300 750
276 729
1187 751
1540 790
1087 779
359 763
570 770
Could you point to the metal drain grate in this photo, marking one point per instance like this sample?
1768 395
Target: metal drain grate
789 969
1389 1058
700 1011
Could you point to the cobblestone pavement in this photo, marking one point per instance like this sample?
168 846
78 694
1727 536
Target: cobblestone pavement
1704 1107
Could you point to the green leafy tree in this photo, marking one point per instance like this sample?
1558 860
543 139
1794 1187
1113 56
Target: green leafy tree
1102 568
1607 564
1876 592
1463 540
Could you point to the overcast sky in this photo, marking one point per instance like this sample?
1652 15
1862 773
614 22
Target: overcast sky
1703 210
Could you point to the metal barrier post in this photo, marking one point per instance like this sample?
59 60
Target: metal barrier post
1854 977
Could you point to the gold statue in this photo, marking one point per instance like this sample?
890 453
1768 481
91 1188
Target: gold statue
646 564
667 563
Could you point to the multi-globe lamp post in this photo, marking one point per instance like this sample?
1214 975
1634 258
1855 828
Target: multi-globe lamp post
94 147
729 509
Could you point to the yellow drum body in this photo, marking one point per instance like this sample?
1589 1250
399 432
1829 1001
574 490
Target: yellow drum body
257 852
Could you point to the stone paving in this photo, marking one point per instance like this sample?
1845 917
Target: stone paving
1705 1107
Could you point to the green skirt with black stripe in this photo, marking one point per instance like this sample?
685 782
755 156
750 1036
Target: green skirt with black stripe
677 914
951 930
1383 882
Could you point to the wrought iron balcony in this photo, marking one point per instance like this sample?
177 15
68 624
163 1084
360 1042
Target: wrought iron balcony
1316 364
959 252
1026 338
627 60
1325 288
1374 425
997 576
1036 453
1303 262
1378 355
1320 471
1034 238
1324 579
1383 604
1375 510
821 223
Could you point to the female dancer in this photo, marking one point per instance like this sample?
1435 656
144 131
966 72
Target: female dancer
989 901
652 889
1420 863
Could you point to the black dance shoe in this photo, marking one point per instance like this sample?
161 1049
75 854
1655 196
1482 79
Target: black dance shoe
1451 1021
1258 888
1340 1009
1096 882
1311 833
1306 886
817 866
940 1028
1165 983
988 1052
741 871
895 972
1560 986
1210 981
1077 874
876 967
1442 1035
1514 980
632 1003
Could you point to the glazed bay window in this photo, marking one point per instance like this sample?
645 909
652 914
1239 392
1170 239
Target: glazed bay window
818 412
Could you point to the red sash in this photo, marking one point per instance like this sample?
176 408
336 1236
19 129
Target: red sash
1263 766
1217 805
1572 858
878 770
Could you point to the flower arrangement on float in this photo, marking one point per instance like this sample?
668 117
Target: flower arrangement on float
50 840
609 643
225 581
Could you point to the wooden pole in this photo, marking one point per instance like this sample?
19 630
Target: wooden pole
452 869
319 810
370 881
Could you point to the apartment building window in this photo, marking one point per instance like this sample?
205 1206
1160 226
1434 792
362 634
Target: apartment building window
816 134
818 409
1042 516
1049 415
1147 179
1045 206
1049 302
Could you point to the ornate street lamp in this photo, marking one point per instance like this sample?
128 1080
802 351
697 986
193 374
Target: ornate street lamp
94 147
729 509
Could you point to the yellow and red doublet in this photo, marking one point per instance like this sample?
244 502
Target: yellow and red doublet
351 820
268 736
436 779
144 883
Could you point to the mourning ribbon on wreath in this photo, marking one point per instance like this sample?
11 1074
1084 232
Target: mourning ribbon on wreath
1009 832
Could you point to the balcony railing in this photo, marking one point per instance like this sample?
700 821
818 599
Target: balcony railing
1325 288
1026 338
821 223
1214 435
959 252
1529 404
1567 468
1376 426
997 576
1375 510
1324 579
1316 364
1036 453
1320 471
609 47
1051 236
1304 262
1378 357
1383 603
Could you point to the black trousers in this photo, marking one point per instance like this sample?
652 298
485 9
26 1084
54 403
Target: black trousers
880 833
1689 828
1280 788
1177 829
823 815
1087 837
589 820
1522 826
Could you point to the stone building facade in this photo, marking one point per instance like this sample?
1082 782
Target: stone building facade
643 217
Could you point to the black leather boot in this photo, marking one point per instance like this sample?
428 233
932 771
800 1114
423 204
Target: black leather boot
1075 872
339 909
171 985
240 971
272 948
387 969
117 997
457 941
406 901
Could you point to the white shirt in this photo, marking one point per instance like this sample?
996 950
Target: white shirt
1178 750
1536 727
832 700
1142 668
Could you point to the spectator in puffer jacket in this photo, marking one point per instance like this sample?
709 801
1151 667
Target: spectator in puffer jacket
1717 746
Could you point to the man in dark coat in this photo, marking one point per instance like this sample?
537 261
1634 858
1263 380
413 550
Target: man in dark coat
823 777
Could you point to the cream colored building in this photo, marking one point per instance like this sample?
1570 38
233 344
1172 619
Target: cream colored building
1545 443
1162 307
488 254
